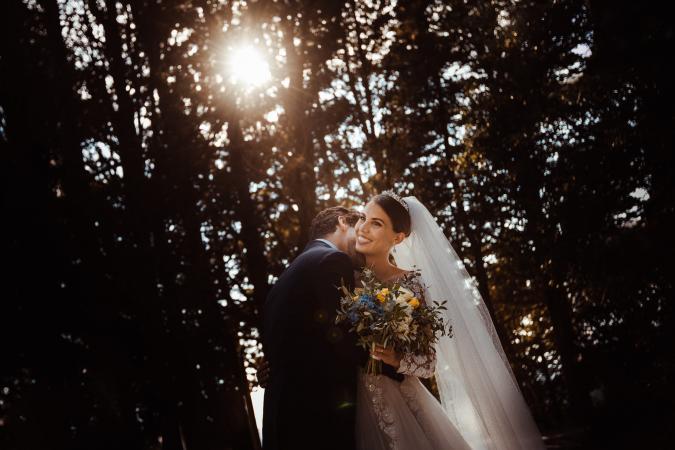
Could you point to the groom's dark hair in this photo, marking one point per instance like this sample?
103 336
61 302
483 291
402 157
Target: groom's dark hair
327 220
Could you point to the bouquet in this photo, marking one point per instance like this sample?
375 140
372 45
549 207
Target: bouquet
391 316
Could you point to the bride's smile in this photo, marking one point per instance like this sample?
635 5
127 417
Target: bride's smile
363 241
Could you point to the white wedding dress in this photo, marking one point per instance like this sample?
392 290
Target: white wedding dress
393 415
481 406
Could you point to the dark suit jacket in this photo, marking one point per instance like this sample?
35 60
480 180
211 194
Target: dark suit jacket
311 394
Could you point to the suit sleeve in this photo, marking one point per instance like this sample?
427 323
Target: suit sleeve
335 270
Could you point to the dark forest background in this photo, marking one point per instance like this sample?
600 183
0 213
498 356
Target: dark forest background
149 200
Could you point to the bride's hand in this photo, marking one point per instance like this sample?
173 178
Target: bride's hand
387 355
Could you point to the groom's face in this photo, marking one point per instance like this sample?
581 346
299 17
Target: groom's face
349 244
358 260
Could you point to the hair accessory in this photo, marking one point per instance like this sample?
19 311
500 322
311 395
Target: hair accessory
395 196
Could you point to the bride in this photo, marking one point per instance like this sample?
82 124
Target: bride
481 405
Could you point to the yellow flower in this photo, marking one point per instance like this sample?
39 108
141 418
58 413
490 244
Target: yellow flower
382 295
414 302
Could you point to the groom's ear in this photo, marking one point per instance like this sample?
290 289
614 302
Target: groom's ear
342 223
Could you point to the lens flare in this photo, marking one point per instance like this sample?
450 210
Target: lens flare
247 66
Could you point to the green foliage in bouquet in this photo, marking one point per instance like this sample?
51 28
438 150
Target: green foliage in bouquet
392 315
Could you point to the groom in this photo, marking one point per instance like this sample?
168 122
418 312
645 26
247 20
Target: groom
311 393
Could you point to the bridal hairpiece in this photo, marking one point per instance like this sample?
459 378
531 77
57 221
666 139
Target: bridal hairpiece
395 196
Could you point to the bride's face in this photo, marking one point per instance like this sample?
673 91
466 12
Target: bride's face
375 233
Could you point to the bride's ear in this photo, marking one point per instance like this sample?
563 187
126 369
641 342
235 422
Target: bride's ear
399 238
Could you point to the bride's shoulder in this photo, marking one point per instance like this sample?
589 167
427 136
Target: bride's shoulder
412 279
409 275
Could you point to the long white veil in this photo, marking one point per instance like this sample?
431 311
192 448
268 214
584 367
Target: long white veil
477 387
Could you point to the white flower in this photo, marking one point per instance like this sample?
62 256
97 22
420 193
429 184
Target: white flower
404 294
403 326
402 299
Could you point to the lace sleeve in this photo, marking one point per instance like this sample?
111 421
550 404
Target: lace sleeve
421 366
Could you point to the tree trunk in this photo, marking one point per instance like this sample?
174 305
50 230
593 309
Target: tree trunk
298 106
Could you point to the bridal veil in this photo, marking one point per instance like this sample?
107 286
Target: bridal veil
477 387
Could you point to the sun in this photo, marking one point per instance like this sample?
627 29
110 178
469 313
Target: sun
246 65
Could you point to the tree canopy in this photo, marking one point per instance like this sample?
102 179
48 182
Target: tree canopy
164 160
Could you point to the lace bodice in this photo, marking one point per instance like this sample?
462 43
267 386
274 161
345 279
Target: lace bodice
421 366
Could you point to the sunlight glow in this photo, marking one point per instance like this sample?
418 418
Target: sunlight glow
246 65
